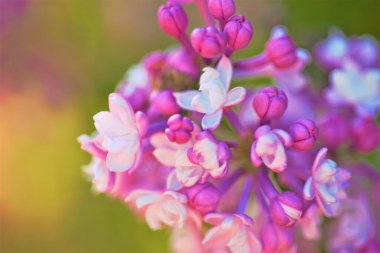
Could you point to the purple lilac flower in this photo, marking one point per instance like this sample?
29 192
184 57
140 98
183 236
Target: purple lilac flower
178 154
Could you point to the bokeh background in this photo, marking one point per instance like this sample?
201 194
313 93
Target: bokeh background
59 60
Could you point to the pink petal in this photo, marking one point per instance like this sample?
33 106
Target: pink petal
141 123
319 159
235 96
284 136
254 243
151 218
255 158
87 144
214 218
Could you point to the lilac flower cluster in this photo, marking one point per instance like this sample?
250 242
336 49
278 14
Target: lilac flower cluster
244 169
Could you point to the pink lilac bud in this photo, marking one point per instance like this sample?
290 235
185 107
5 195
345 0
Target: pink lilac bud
239 32
333 130
365 134
165 103
304 133
281 52
172 19
270 102
208 42
365 51
331 52
179 129
154 61
203 197
276 238
221 9
286 209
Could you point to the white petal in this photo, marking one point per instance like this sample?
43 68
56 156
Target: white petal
107 124
319 159
325 194
121 108
219 172
235 96
121 161
165 156
208 75
212 121
147 199
152 218
284 136
189 176
224 68
172 183
201 102
184 98
308 192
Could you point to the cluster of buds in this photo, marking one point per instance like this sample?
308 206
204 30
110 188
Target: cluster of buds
173 145
233 33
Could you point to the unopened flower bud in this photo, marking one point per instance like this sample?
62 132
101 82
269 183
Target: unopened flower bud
165 103
179 129
276 238
365 134
208 42
203 197
221 9
270 102
239 32
286 209
172 19
333 130
281 51
331 52
304 133
365 51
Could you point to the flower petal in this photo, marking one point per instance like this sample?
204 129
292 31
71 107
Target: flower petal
122 109
172 183
108 125
201 102
319 159
185 98
224 68
212 121
189 176
308 192
165 156
235 96
208 75
255 158
121 161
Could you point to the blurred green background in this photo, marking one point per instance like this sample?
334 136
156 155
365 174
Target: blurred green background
59 60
